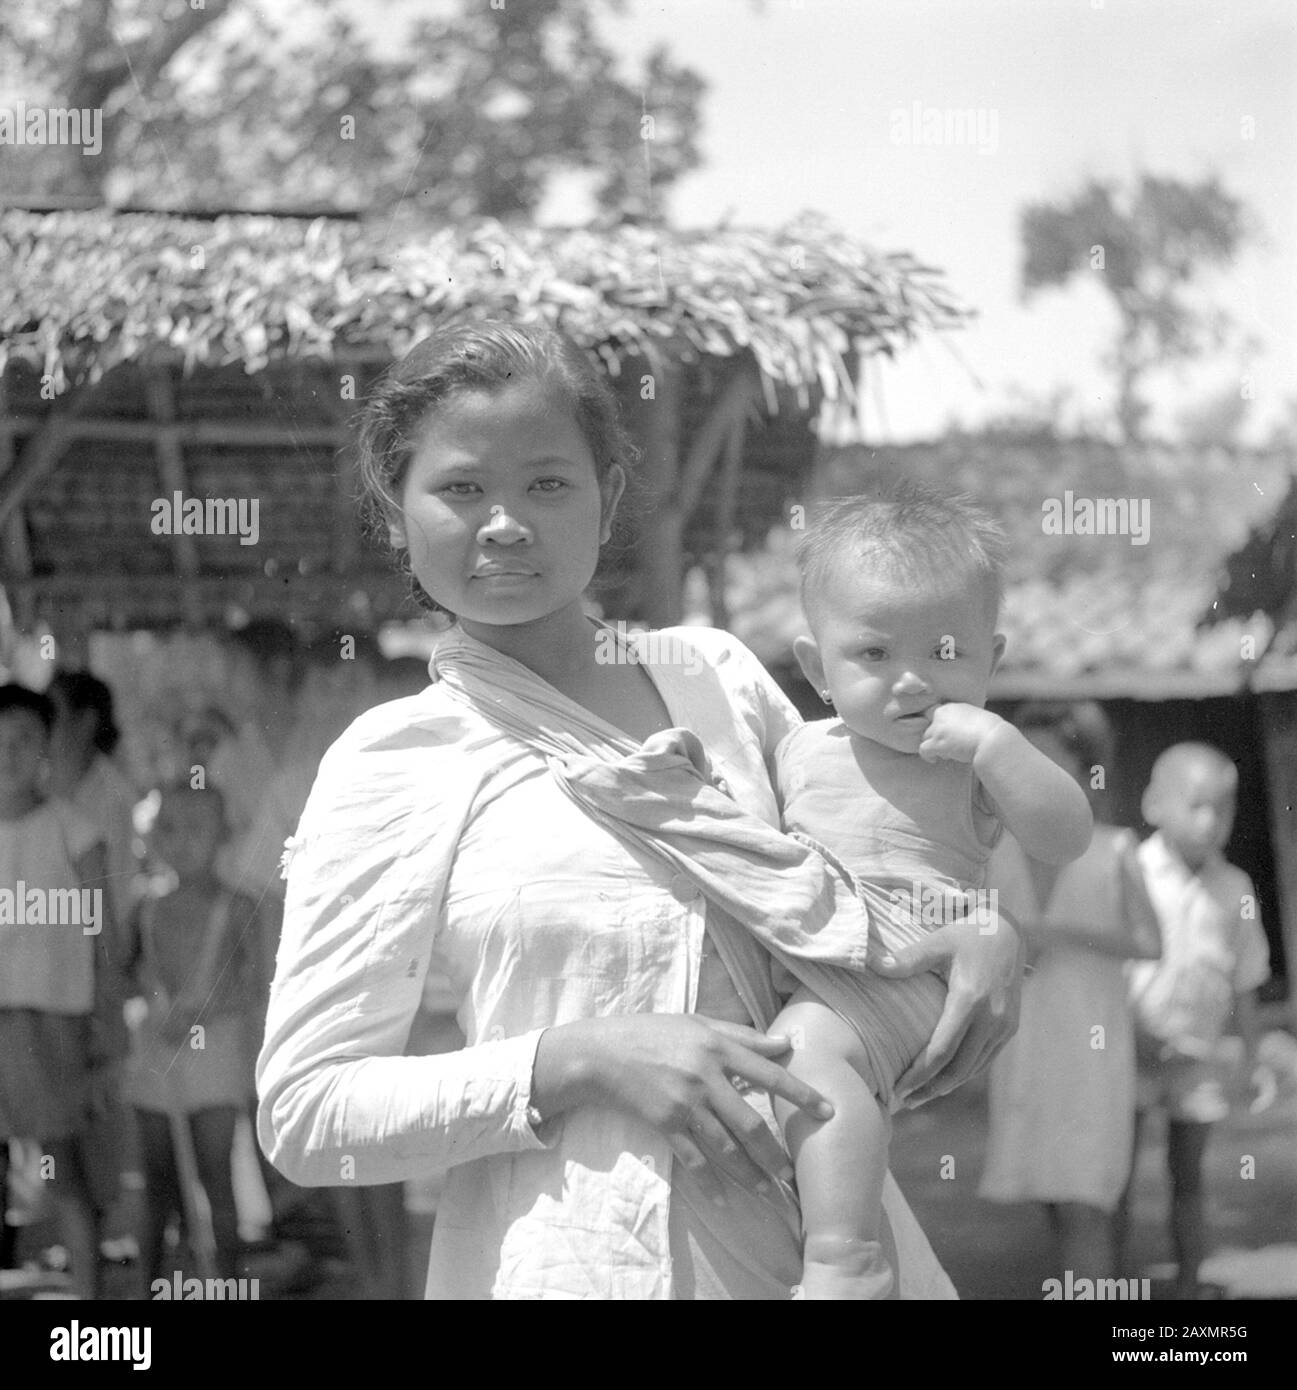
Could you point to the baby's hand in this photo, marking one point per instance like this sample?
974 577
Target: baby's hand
955 732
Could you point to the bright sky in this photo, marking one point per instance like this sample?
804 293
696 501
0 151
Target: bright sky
801 113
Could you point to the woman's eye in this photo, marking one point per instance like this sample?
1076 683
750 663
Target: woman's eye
460 489
550 484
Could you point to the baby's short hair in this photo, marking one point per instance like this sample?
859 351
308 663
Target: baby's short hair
909 531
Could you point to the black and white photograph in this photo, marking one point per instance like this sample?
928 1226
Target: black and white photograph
648 651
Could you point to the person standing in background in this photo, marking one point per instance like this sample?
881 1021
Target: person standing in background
1213 961
1062 1093
84 773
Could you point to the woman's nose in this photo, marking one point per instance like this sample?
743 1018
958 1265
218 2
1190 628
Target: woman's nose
503 527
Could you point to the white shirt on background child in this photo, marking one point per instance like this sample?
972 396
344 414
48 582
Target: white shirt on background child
1213 948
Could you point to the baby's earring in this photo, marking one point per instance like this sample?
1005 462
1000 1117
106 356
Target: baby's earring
826 697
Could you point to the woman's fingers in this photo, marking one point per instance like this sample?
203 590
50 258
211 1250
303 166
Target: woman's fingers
978 1046
687 1152
733 1152
954 1023
769 1076
739 1033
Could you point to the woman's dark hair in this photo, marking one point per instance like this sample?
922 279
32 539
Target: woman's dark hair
1081 727
18 697
481 356
79 690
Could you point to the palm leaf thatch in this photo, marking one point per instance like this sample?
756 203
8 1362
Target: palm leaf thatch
123 333
86 291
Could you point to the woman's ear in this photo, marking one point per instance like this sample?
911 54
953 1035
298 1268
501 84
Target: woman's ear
807 651
614 485
395 520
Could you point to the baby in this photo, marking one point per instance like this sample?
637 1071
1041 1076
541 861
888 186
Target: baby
909 787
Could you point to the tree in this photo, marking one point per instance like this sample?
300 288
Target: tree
217 107
1146 248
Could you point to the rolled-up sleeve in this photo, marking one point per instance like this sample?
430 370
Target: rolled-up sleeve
338 1101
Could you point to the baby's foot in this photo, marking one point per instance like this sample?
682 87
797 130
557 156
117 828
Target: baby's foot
840 1268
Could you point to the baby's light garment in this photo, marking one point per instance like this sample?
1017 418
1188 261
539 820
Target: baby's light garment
908 832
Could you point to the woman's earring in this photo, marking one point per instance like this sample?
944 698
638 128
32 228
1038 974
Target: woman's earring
826 697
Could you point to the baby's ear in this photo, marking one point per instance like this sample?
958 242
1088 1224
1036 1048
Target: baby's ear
807 651
998 643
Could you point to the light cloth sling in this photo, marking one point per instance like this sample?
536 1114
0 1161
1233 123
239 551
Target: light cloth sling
784 893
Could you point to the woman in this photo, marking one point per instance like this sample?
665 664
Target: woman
1062 1099
600 1140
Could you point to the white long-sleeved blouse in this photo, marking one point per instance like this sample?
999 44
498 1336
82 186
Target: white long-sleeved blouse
434 846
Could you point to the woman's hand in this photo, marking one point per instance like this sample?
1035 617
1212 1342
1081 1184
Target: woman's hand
678 1073
981 1014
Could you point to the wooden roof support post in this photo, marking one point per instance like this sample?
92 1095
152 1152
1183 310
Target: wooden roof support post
39 456
345 549
18 612
1279 726
17 555
726 501
659 549
171 468
675 486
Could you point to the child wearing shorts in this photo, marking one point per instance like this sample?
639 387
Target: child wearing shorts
1214 956
908 787
58 990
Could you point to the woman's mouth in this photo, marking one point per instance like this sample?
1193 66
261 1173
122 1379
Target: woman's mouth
502 572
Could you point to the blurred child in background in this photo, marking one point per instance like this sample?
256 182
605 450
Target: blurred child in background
58 990
1062 1093
1214 956
195 960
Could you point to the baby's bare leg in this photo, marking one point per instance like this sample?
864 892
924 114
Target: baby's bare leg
841 1163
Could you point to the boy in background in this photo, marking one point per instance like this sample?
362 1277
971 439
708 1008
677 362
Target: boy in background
1214 957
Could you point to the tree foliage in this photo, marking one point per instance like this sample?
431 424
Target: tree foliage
221 107
1145 247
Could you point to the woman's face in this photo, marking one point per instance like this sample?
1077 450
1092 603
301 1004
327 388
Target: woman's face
501 509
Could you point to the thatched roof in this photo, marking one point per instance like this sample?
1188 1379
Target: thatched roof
85 291
148 353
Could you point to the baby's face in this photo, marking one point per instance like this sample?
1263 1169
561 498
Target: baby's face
892 654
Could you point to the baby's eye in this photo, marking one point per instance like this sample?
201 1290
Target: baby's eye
874 653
